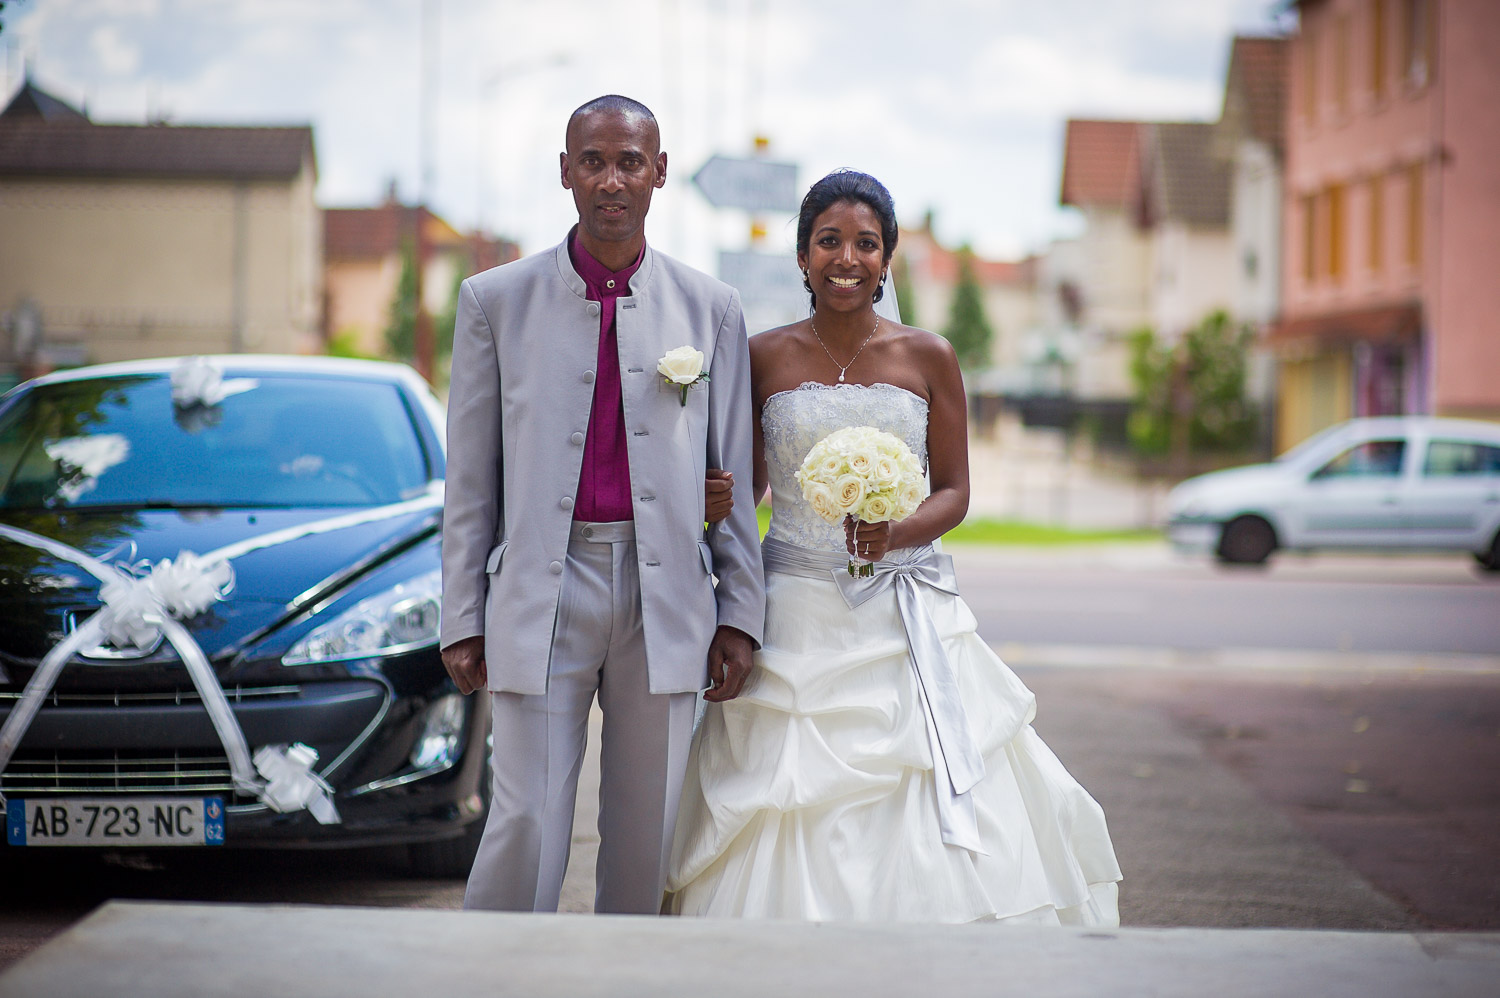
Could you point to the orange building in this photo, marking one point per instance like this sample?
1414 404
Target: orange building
1391 231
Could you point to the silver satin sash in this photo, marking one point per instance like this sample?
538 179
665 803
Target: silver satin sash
957 764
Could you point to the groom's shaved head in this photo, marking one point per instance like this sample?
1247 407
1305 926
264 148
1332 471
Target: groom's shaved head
614 104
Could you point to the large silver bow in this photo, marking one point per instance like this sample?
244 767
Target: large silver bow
957 763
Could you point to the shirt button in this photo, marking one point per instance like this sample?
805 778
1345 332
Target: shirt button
567 502
588 377
609 284
577 438
555 568
593 309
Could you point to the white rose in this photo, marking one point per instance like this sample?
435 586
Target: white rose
885 472
681 366
820 498
862 462
848 493
831 467
878 508
910 495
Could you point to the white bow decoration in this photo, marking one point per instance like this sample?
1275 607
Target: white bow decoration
181 588
196 381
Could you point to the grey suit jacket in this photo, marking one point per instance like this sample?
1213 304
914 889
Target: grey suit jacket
524 350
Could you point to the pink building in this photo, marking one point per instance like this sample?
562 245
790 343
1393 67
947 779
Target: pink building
1390 299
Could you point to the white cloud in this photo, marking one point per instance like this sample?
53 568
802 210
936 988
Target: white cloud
955 104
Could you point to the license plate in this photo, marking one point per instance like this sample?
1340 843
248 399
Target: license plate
110 821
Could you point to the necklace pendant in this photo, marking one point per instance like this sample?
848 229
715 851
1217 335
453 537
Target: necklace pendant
841 377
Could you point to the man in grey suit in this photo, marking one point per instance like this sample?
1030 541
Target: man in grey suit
575 558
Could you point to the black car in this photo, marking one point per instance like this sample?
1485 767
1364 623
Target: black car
287 514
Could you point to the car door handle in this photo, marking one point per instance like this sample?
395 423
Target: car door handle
1389 501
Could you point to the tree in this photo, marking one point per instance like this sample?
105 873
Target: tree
968 329
906 297
1193 394
401 327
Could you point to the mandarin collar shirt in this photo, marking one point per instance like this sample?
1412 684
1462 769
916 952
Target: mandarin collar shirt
604 482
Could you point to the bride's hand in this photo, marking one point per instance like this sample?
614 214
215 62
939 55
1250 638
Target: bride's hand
718 495
866 541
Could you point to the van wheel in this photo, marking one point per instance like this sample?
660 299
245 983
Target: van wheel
1246 540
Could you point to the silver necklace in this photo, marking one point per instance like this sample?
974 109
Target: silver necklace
844 367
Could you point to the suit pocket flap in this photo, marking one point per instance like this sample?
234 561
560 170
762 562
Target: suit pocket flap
492 563
707 554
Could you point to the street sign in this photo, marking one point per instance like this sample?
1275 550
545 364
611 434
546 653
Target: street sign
751 184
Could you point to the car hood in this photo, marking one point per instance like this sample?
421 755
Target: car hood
43 594
1234 485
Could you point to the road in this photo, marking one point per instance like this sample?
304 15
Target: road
1143 596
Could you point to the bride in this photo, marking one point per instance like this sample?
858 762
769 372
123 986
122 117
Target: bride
866 773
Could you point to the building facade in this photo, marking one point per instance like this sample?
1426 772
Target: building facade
1391 214
126 241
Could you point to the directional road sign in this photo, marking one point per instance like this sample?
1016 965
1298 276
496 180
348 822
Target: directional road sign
751 184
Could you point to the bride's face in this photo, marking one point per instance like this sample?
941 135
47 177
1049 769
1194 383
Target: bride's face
845 256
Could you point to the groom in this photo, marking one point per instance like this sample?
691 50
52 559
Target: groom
575 560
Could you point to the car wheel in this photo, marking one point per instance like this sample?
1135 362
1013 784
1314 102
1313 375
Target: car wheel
1490 560
1246 540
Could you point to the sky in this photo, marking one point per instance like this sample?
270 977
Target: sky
958 106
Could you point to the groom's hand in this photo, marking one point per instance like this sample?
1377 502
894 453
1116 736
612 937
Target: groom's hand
728 664
718 495
464 660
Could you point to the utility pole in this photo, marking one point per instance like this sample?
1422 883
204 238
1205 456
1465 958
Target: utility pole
425 361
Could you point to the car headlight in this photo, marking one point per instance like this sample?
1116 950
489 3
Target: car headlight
401 619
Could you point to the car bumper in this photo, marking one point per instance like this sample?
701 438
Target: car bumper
1194 536
363 731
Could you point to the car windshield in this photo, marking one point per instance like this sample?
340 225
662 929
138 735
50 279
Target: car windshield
280 440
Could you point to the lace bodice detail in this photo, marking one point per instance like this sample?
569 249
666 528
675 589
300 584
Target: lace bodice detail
792 421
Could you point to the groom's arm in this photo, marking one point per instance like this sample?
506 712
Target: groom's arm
735 541
472 500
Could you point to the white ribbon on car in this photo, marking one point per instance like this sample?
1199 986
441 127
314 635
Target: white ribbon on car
957 763
197 381
145 602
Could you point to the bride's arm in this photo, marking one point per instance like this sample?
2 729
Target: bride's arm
947 457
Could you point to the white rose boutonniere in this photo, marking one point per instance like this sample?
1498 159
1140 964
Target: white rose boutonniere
682 367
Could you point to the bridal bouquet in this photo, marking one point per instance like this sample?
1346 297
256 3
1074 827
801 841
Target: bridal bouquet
865 473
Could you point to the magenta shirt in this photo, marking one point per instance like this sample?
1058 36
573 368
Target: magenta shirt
604 483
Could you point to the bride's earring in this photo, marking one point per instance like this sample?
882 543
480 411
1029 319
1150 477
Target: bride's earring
880 288
806 283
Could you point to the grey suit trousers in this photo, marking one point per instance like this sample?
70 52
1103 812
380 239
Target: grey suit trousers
598 647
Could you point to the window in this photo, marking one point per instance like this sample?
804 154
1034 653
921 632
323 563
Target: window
1414 214
1417 48
1377 48
1309 74
1341 64
1336 236
1309 238
1374 256
1452 458
1371 459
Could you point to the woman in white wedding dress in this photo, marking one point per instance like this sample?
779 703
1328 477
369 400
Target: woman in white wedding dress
879 764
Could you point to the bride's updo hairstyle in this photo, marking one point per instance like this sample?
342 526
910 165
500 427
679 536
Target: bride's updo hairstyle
848 185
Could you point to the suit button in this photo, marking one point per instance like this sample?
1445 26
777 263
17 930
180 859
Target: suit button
555 568
588 377
567 502
577 438
593 309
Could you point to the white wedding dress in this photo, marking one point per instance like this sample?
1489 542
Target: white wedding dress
814 795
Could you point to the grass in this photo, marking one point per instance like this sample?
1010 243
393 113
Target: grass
1016 533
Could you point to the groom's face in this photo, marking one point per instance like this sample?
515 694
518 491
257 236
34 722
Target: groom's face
612 164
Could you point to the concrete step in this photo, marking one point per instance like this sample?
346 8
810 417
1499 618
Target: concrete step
199 951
